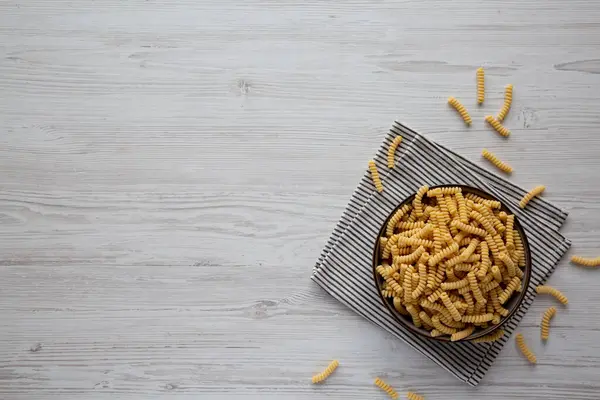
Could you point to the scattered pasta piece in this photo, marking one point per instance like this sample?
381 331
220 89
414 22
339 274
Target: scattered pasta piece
494 160
524 349
325 374
536 191
375 176
386 388
462 334
461 110
501 129
507 102
414 396
586 262
552 292
546 322
392 150
480 85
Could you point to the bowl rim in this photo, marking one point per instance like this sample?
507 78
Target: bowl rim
388 302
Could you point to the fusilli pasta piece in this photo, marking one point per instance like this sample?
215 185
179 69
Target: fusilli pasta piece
392 150
492 337
386 388
395 219
443 191
475 288
460 335
524 349
477 319
433 260
544 289
414 396
586 262
548 314
494 160
536 191
501 129
507 102
480 85
418 200
461 110
375 176
450 306
514 284
469 228
325 374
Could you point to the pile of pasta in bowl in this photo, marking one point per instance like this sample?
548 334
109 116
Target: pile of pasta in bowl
451 263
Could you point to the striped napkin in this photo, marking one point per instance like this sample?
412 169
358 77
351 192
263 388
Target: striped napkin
344 267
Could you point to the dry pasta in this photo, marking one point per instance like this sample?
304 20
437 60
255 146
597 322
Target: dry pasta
392 150
548 314
480 85
492 337
494 160
461 110
375 176
507 103
501 129
544 289
524 349
417 202
447 262
386 388
586 262
462 334
414 396
325 374
536 191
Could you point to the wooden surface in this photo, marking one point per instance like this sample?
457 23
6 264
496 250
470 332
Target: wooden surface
170 171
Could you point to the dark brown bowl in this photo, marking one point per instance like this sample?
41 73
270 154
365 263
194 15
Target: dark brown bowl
512 305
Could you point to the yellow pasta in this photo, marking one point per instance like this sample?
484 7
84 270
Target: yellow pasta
475 288
414 313
524 349
492 337
477 319
412 241
461 110
586 262
410 258
425 318
414 396
514 284
496 273
375 176
501 129
507 102
443 191
494 294
399 307
433 260
386 388
325 374
395 219
460 335
489 203
450 306
542 289
418 200
510 266
388 293
510 242
392 150
536 191
455 285
437 324
411 225
546 322
480 85
487 225
494 160
469 228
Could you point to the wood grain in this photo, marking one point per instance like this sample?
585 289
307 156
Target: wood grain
171 170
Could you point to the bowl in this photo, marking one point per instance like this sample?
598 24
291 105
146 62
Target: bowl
512 305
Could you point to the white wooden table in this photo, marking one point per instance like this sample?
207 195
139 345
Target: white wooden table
170 170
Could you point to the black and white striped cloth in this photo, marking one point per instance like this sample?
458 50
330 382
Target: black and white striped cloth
344 266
